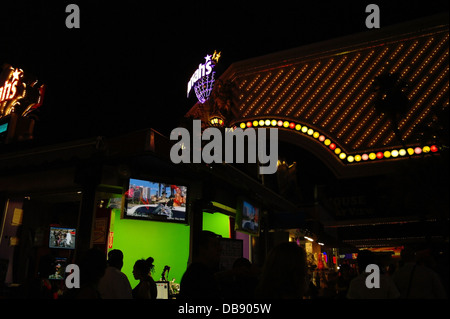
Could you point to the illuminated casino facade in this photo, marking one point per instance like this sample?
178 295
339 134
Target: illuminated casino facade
332 94
362 104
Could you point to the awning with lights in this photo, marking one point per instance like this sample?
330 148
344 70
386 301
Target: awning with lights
371 97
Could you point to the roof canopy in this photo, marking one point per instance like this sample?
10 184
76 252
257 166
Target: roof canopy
362 98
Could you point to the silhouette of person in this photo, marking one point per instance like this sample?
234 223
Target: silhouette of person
240 282
415 280
283 274
358 288
343 282
115 284
42 287
146 289
198 282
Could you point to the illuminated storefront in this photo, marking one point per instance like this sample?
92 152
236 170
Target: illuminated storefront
91 189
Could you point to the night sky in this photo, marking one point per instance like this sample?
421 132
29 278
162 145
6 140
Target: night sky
128 64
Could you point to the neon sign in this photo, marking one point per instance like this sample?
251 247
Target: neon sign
19 93
9 89
202 80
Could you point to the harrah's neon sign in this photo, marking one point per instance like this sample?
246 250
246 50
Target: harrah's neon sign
203 78
20 92
9 89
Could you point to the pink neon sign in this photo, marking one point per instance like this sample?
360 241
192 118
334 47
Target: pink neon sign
202 80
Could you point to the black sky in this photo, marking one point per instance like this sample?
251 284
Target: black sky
128 65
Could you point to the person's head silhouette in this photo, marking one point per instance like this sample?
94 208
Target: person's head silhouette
115 258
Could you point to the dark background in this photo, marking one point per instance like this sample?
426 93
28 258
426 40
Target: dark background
128 65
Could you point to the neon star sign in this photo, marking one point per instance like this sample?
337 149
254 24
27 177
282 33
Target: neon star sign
19 93
202 80
9 89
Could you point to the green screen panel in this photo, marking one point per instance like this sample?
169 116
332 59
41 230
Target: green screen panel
217 223
167 243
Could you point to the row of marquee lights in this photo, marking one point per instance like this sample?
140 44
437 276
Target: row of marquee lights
371 156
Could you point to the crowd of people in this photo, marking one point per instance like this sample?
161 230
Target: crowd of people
415 276
284 275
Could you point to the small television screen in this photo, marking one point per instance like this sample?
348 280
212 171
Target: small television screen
247 218
58 270
62 237
153 200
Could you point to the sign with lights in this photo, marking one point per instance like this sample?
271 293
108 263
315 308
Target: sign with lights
19 93
338 151
202 80
9 89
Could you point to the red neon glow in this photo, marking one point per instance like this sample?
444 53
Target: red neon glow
249 124
332 146
433 148
110 239
380 155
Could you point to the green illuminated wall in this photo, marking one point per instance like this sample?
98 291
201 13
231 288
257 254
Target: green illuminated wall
167 243
217 223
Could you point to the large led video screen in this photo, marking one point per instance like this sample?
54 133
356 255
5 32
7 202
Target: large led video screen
157 201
